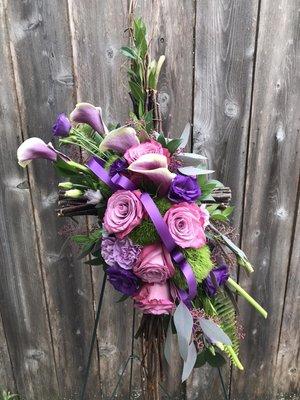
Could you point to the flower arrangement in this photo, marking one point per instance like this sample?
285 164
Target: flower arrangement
164 239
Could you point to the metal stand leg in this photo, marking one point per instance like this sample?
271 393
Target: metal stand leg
223 385
87 371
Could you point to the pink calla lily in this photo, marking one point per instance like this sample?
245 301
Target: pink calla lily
155 167
34 148
86 113
119 140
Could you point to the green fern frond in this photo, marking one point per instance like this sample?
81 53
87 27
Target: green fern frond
226 313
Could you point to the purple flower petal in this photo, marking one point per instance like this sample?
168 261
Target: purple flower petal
184 188
119 140
212 283
86 113
155 167
34 148
62 126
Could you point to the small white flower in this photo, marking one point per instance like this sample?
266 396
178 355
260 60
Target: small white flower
93 196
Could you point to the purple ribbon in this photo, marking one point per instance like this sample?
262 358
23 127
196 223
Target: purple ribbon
120 181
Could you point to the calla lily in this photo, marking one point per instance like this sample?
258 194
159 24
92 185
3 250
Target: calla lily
119 140
86 113
34 148
155 167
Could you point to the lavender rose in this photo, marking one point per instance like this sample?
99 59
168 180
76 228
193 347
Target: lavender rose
62 126
154 264
154 298
217 277
123 213
184 188
123 280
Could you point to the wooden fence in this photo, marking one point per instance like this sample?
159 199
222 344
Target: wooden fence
233 69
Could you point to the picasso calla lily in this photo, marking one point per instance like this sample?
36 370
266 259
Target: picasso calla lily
34 148
86 113
119 140
155 167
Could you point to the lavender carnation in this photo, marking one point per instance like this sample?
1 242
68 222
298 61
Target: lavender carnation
120 251
184 188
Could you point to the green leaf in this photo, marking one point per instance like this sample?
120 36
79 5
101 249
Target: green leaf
201 359
129 52
86 250
95 261
162 140
216 360
228 211
137 91
173 145
124 297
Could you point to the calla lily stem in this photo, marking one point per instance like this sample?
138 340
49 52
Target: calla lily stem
247 296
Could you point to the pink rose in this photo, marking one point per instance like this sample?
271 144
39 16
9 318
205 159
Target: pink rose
154 298
186 222
151 147
123 213
154 264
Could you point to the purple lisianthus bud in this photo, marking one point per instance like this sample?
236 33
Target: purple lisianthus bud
123 280
118 166
184 188
217 277
119 251
62 126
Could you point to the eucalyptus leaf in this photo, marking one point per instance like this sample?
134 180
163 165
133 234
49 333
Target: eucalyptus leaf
183 321
190 362
213 332
192 171
190 159
185 136
168 344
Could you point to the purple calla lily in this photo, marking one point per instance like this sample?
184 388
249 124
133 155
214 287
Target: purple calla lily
119 140
86 113
34 148
155 167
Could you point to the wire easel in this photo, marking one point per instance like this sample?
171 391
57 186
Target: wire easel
129 360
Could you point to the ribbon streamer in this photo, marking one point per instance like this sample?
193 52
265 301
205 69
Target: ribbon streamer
121 181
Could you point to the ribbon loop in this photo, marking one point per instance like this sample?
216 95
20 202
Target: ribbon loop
120 181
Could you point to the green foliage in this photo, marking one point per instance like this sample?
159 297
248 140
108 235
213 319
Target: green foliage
219 215
87 242
200 261
226 314
6 395
146 233
206 356
207 186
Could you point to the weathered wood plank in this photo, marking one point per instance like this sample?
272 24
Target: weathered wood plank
224 49
287 363
22 302
41 48
7 380
271 194
175 93
98 34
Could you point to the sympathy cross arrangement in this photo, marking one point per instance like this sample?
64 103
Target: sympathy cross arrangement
164 239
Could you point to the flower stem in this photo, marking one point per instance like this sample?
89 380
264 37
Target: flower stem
247 296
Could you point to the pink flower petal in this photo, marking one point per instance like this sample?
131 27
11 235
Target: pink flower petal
120 140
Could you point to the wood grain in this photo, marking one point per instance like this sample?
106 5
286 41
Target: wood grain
271 195
41 50
101 79
225 44
22 297
287 361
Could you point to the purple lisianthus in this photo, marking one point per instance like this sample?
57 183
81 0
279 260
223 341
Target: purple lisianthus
217 277
123 280
118 166
62 126
184 188
120 251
